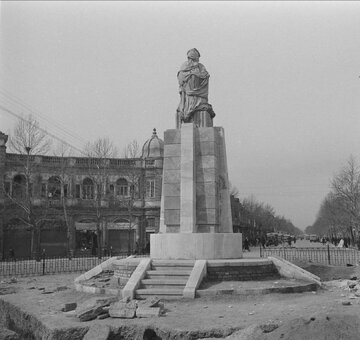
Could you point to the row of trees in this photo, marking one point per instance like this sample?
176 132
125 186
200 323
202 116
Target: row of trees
262 218
339 213
29 140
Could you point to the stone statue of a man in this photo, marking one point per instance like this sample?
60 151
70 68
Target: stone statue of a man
194 89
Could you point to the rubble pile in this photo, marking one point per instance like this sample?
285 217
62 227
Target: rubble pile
350 288
102 308
105 279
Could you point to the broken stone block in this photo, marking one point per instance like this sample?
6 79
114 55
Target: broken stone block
70 314
148 312
103 316
97 332
48 291
7 334
90 314
69 306
154 302
90 309
125 310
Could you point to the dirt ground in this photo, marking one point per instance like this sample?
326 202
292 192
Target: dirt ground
279 316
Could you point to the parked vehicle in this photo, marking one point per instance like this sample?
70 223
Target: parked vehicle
314 238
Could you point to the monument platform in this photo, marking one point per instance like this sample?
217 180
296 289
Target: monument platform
176 279
206 246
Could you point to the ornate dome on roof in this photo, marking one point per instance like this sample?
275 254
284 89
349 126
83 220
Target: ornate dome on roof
153 147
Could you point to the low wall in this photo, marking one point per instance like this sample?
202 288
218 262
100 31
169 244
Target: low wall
240 271
123 269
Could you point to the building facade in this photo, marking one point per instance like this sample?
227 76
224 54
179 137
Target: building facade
79 205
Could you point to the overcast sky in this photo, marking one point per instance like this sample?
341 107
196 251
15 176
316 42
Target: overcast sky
284 82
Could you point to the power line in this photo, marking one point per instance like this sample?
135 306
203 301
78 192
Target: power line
13 99
41 129
17 100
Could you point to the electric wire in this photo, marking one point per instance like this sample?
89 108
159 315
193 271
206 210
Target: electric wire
59 126
43 130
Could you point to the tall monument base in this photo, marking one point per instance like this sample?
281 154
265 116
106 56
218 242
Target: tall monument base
195 220
196 246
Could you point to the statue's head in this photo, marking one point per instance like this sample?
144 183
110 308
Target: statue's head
193 54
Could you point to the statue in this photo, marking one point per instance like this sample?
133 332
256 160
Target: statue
194 88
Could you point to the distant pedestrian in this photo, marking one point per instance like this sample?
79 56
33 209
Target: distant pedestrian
263 241
147 247
11 253
289 240
246 244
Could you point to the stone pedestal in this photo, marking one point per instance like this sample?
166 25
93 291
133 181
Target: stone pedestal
195 221
197 246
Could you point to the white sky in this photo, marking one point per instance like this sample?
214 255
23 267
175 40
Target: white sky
284 82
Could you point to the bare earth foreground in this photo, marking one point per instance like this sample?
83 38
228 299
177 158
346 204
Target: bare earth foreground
329 313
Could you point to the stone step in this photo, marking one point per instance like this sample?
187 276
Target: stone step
173 263
161 286
166 281
159 292
166 277
169 272
163 297
167 268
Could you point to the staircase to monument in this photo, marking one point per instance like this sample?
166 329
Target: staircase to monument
166 279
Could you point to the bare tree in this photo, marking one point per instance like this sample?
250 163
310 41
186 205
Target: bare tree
64 151
346 189
133 175
29 139
132 150
99 153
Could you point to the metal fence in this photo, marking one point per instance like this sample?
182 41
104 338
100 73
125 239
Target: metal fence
325 255
46 265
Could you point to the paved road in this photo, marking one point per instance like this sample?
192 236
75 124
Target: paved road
255 251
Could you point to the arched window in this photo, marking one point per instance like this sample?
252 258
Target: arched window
150 187
54 187
88 189
19 187
122 188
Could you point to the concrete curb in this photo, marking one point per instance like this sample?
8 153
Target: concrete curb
291 271
306 287
197 274
136 277
96 270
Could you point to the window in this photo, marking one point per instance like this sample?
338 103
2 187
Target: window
99 192
7 188
77 191
19 187
121 187
150 188
43 189
88 189
54 187
65 188
151 223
